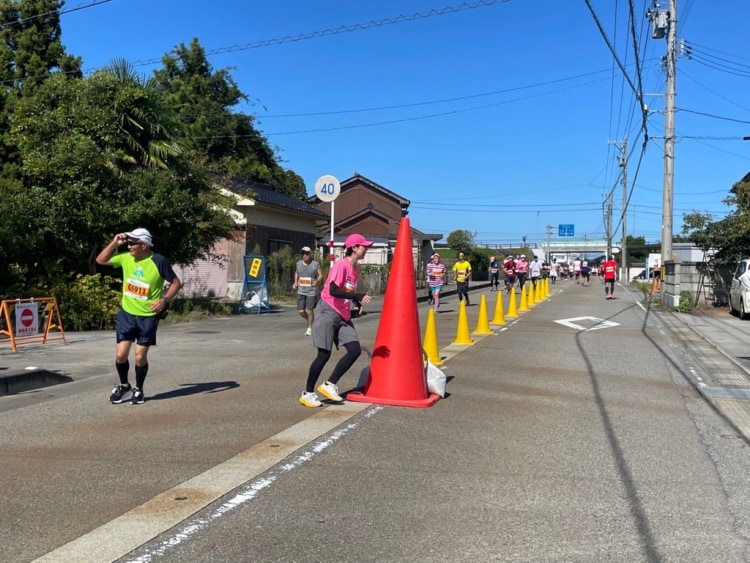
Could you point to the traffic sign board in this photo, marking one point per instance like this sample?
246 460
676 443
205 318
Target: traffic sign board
327 188
565 230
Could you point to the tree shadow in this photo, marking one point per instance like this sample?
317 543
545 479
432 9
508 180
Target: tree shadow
195 388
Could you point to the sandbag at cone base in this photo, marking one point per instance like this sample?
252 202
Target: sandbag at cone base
397 375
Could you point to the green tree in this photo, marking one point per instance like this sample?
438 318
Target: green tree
461 240
77 187
147 125
228 141
31 51
636 250
730 237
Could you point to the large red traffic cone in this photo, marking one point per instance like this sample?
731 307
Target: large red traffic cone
397 375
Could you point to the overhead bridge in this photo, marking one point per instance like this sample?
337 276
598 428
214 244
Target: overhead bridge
574 248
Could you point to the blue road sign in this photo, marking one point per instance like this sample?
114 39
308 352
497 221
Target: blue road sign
565 230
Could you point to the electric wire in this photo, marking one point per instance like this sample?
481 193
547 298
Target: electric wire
59 12
342 29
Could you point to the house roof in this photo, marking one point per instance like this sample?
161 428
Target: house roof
377 187
358 178
266 194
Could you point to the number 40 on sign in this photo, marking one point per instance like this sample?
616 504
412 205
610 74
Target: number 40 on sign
327 188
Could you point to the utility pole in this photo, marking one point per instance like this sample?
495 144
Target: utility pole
624 246
662 21
608 224
549 229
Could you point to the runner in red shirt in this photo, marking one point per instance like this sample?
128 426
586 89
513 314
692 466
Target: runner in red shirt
609 270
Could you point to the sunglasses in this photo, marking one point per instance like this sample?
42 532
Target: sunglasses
134 242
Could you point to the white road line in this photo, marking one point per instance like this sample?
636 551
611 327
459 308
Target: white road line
117 538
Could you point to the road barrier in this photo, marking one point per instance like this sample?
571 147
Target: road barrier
30 320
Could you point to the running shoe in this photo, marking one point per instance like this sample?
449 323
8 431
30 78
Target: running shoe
330 391
138 397
308 332
310 400
120 394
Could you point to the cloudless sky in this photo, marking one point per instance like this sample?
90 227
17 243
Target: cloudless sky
499 117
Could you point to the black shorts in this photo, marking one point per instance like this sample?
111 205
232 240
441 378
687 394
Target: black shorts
131 328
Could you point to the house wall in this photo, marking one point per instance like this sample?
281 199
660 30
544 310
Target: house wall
266 228
355 199
204 278
270 229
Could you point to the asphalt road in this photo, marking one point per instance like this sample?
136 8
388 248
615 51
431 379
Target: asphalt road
584 430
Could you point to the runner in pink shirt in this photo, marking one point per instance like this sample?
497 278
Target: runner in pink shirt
332 322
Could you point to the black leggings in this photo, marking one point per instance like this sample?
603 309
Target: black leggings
609 286
462 288
353 351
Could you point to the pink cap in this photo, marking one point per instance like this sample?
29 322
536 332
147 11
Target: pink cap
357 240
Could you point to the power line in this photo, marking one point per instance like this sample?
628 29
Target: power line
418 118
714 116
343 29
445 100
60 12
717 94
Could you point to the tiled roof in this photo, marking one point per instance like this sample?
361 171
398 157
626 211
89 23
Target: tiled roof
266 194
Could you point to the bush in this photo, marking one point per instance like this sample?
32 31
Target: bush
686 302
281 265
280 268
88 302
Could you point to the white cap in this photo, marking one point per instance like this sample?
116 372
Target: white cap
141 234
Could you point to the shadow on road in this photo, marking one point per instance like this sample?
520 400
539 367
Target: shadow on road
195 388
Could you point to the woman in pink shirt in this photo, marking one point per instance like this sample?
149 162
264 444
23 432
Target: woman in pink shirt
332 322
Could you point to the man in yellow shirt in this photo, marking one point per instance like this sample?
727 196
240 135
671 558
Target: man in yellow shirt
462 273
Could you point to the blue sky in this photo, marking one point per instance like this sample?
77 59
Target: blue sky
499 117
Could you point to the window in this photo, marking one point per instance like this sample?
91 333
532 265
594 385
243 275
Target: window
275 245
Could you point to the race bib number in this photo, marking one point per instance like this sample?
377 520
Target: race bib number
136 289
305 282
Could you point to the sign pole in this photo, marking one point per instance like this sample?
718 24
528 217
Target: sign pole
331 254
328 188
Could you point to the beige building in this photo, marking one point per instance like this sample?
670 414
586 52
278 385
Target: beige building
266 221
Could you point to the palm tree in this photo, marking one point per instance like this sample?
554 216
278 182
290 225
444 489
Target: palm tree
149 127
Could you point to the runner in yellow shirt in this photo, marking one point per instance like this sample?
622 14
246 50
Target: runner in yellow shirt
462 274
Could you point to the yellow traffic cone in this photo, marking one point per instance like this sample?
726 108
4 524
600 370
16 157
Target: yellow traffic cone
524 306
546 287
498 319
512 309
538 297
430 344
483 323
530 300
462 331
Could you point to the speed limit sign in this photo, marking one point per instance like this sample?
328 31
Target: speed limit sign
327 188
